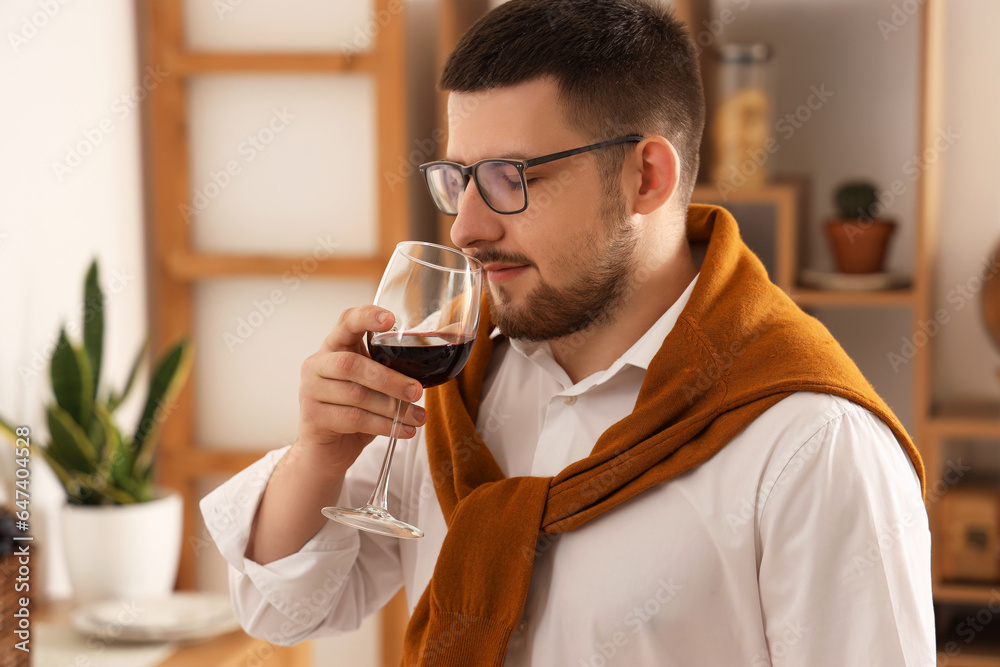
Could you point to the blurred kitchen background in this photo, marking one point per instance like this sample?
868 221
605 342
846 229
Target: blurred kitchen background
242 169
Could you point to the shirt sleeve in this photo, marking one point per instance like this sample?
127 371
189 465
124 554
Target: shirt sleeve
328 587
844 552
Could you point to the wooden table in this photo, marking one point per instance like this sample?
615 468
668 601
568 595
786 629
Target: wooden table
238 649
234 649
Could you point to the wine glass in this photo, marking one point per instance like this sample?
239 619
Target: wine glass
434 292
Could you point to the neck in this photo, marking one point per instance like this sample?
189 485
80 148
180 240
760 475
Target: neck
595 348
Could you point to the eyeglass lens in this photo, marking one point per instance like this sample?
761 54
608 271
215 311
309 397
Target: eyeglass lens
499 184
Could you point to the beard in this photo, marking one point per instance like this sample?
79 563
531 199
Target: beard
596 289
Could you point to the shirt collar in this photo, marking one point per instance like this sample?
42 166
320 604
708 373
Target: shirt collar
642 352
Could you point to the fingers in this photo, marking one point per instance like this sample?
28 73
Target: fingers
353 324
347 397
349 420
361 370
345 393
353 395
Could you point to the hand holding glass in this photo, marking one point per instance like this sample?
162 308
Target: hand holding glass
434 293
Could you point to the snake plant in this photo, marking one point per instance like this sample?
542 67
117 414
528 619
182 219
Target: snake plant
95 462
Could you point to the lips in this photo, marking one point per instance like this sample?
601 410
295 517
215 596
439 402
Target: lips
499 273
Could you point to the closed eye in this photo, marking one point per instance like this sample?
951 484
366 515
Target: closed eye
512 184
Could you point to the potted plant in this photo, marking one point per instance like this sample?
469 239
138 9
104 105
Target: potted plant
859 238
122 533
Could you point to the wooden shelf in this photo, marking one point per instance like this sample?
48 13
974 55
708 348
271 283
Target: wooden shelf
964 428
786 197
189 266
971 594
970 656
188 63
965 419
901 298
766 194
179 266
959 649
201 461
955 649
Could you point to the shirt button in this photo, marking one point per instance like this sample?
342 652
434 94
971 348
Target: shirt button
523 625
569 400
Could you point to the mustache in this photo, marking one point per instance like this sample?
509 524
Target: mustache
497 256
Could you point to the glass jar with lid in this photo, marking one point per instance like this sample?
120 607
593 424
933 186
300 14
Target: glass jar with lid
742 119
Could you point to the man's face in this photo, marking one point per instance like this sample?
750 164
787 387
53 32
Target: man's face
564 263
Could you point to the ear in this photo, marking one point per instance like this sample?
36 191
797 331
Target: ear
656 171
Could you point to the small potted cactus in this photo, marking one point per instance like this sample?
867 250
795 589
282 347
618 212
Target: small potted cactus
859 238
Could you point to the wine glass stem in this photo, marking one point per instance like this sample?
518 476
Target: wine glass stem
379 495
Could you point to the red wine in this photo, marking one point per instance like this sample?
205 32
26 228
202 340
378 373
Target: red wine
430 358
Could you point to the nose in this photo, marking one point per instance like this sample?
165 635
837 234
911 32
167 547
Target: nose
476 223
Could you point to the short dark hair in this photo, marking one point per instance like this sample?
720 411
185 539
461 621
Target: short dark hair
622 67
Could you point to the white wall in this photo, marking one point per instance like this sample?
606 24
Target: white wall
965 361
70 190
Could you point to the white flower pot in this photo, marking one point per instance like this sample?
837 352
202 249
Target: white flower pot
123 551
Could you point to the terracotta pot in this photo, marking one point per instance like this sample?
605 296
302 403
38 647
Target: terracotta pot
859 246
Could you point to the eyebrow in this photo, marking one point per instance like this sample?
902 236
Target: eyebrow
512 155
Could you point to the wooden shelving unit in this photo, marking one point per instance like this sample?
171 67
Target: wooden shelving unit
178 267
937 423
787 200
965 594
953 422
188 265
965 420
816 298
971 656
193 63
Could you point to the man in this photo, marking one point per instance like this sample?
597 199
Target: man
654 458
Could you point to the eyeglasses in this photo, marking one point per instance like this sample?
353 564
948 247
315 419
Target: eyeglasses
500 181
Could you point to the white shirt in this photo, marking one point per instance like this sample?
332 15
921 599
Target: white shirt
804 541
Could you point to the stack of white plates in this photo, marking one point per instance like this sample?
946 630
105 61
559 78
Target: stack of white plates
182 616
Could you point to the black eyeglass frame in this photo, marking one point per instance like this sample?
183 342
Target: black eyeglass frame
521 165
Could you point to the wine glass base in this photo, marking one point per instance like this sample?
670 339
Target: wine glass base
374 520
